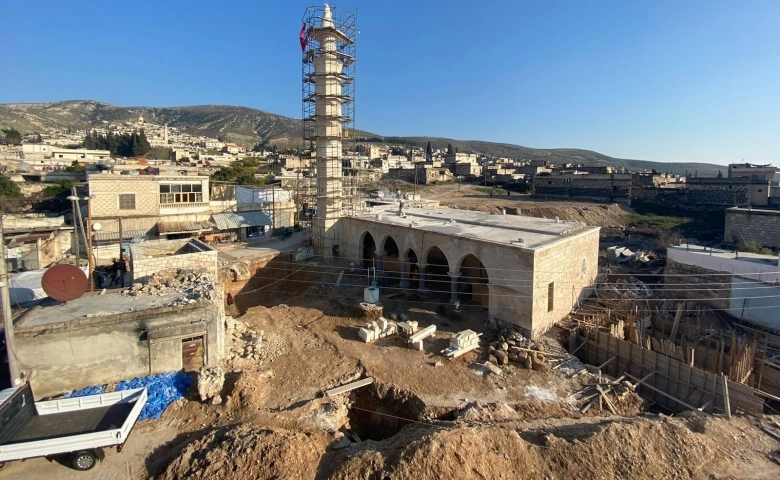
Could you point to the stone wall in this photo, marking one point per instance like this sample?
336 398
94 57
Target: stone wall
603 188
150 257
425 176
107 189
570 265
749 225
76 353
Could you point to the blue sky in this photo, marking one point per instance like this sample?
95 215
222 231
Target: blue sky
654 80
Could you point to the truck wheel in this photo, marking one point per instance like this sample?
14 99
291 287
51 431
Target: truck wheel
84 460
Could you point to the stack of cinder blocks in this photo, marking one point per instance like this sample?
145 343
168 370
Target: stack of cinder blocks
376 330
461 343
408 328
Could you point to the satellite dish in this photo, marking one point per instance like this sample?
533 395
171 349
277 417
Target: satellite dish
96 226
64 282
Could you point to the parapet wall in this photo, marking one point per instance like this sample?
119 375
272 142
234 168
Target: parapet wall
153 256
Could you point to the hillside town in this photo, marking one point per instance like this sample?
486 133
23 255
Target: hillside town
350 307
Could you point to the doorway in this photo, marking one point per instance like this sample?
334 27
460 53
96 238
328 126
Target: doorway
192 353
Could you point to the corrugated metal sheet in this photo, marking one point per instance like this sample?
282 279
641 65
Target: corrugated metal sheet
167 228
110 236
230 221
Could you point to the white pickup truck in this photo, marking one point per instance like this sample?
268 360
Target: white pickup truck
77 427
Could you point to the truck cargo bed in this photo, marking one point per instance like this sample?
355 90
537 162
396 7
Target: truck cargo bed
45 427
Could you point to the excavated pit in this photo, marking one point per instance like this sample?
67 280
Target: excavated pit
379 412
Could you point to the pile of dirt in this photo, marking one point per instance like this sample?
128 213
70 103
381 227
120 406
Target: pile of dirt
471 198
247 452
637 449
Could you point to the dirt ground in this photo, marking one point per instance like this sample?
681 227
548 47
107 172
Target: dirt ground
424 417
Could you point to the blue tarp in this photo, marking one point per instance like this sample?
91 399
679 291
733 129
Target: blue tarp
163 389
84 392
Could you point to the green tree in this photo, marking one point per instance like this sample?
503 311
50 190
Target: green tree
38 138
9 188
450 149
58 188
12 136
74 167
428 152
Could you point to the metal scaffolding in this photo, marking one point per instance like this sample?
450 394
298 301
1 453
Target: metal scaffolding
328 42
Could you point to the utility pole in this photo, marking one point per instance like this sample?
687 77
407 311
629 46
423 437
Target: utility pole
76 224
121 241
89 242
8 319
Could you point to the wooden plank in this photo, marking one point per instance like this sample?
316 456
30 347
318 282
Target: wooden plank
349 386
726 402
645 384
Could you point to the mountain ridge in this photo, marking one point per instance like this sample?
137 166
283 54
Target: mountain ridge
248 126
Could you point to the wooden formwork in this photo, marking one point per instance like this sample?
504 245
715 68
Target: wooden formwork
666 381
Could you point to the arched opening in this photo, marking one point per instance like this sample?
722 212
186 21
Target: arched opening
413 267
392 262
436 271
367 250
473 281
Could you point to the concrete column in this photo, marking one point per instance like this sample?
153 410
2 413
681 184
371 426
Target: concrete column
380 264
404 274
454 286
421 286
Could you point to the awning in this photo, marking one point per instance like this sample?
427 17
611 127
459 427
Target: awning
114 236
169 228
230 221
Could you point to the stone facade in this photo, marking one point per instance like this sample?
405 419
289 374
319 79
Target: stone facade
425 175
570 265
598 187
518 277
753 225
150 257
108 188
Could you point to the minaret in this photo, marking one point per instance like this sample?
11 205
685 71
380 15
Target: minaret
328 128
165 134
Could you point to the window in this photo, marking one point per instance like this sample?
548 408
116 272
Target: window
181 193
127 201
550 296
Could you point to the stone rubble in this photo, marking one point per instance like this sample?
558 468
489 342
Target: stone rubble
512 346
251 346
210 383
192 285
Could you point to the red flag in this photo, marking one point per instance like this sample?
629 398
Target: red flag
303 37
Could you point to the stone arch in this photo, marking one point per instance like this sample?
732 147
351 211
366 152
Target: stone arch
473 281
391 261
412 263
437 266
367 250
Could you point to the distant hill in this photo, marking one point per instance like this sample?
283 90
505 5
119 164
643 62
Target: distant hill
247 126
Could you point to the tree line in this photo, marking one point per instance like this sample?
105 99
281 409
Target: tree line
126 144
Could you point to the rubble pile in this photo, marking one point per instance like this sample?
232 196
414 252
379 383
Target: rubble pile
622 287
512 346
192 285
210 383
252 345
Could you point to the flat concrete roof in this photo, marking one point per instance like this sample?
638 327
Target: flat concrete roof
92 305
752 266
503 229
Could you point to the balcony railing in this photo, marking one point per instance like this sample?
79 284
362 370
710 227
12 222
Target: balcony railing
164 207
